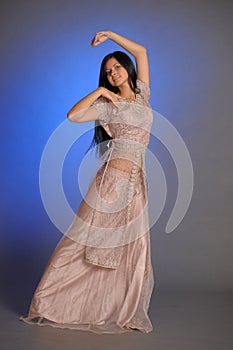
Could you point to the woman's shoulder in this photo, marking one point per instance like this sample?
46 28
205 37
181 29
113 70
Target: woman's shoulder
144 89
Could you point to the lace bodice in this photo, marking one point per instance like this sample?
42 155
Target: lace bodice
126 113
129 124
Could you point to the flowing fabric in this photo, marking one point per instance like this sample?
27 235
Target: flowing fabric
100 276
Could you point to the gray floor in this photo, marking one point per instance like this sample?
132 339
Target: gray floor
181 320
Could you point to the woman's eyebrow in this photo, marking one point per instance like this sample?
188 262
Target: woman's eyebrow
113 66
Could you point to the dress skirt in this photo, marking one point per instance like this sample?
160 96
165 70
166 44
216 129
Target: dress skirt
77 294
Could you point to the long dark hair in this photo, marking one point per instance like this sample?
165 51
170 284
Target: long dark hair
100 135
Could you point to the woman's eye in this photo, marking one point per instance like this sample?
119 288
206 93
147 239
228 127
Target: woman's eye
108 72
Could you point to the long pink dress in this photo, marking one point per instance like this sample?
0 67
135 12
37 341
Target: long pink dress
100 277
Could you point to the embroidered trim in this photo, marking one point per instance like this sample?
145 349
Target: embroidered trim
107 262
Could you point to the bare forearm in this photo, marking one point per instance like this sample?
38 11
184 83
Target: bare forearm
131 46
83 110
84 103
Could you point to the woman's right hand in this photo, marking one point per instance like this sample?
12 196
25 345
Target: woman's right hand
83 111
109 95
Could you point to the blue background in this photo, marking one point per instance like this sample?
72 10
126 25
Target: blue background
47 64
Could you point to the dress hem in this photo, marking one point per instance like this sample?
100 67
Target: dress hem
89 327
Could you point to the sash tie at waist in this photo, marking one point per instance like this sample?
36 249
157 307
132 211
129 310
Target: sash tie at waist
136 150
110 257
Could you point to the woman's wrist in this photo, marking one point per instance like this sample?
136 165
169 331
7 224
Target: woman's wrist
99 91
109 34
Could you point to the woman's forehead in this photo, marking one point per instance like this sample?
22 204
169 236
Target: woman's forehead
111 62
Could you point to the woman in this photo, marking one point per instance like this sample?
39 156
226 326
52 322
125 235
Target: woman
100 276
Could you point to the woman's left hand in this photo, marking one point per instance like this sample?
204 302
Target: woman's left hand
100 37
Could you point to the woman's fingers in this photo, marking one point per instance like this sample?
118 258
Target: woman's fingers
99 38
93 42
110 95
115 99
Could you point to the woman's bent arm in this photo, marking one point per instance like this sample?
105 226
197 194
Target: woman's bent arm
83 111
137 50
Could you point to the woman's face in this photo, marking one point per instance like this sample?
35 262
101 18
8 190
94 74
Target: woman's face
116 73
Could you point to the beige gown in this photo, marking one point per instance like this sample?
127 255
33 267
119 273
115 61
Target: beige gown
100 277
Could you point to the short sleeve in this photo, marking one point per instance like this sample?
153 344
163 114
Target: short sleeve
103 109
145 90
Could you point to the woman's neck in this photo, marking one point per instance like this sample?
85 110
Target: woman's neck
127 93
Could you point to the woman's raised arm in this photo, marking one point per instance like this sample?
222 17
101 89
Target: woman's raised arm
137 50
